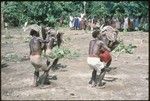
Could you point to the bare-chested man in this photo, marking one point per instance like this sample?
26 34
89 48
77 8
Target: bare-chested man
51 37
95 47
35 54
55 38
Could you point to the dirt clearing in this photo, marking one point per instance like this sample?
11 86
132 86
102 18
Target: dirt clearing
129 70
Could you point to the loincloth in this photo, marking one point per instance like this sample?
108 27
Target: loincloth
95 63
36 61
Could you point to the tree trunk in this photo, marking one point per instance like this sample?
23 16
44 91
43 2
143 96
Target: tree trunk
2 18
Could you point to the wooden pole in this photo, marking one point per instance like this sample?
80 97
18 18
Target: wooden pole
84 7
2 17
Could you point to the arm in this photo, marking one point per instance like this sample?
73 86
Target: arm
105 46
46 40
30 52
43 41
51 45
89 47
30 48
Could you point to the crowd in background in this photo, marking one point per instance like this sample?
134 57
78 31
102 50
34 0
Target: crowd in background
78 23
91 23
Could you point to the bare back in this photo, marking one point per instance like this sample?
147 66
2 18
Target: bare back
35 46
50 44
95 47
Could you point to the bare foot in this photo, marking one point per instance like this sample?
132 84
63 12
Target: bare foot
34 85
90 82
43 86
102 85
94 85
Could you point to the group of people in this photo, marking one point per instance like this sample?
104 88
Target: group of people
131 23
92 23
77 23
124 24
127 24
99 51
39 43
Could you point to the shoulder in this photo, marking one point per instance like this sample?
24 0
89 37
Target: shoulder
52 38
38 38
93 40
100 42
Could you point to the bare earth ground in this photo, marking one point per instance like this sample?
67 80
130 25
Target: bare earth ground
129 70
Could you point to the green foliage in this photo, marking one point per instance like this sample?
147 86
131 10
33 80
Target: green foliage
63 52
50 20
99 9
125 48
146 27
11 57
46 12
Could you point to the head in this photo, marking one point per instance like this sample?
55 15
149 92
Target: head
59 38
59 34
34 33
50 31
95 33
109 34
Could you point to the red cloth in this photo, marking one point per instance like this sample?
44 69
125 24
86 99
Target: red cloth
105 56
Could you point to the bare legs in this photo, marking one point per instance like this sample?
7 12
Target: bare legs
36 76
101 75
103 72
93 78
45 74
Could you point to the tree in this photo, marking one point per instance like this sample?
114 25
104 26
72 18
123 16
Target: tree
47 12
2 19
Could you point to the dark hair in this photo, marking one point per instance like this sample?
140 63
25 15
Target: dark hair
95 33
34 33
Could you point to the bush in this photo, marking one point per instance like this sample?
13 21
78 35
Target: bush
146 27
125 48
46 12
63 52
11 57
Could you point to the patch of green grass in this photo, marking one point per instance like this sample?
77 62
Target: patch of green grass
67 39
11 57
73 55
63 52
125 48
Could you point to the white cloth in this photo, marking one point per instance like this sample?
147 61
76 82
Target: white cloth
38 63
79 18
97 24
71 23
82 15
126 23
71 18
117 24
95 63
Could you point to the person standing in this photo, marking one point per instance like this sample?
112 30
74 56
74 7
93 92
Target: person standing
71 22
137 23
